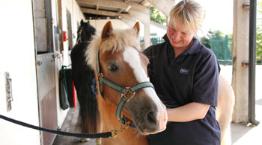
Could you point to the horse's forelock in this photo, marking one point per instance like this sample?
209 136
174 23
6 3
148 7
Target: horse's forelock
118 41
129 38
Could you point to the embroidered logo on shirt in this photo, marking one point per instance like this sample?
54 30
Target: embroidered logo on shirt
184 71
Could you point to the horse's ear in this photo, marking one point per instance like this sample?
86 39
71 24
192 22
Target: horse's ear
137 28
107 30
82 22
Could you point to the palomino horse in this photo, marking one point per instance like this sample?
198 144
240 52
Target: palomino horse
225 107
120 61
126 99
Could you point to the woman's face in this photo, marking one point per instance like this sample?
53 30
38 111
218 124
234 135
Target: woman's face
179 35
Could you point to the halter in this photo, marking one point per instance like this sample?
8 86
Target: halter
126 93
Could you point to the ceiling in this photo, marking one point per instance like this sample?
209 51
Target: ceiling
110 8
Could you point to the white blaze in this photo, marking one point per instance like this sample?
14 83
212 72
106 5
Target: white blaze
131 56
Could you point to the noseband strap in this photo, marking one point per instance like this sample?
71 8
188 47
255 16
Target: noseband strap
126 93
121 89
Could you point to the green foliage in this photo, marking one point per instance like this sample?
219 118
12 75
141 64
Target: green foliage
259 44
259 5
157 16
220 44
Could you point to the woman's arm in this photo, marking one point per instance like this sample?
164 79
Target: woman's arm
189 112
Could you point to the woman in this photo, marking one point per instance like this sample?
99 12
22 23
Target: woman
185 76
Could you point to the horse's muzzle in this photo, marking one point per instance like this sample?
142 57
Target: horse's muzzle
148 116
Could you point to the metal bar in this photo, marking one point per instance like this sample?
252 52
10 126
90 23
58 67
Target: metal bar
252 63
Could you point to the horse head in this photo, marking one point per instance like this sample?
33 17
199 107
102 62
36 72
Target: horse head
85 32
121 70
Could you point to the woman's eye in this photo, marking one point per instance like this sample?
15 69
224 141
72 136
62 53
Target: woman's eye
113 67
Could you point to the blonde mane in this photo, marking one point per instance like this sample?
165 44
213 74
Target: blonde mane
118 41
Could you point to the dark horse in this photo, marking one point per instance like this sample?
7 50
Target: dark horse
84 79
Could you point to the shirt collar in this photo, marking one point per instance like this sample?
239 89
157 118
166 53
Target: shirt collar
194 48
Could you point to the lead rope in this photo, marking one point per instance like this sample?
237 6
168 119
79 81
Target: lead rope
110 134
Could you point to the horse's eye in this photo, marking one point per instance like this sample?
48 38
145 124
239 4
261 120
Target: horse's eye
113 67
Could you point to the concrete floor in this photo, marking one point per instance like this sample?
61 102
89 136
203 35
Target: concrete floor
242 134
71 124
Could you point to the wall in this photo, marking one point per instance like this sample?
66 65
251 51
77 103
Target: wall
18 58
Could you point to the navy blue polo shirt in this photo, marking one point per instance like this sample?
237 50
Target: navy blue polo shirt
190 77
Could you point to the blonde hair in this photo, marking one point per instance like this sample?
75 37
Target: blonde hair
189 13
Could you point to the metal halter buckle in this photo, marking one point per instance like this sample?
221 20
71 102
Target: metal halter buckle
128 93
121 129
99 76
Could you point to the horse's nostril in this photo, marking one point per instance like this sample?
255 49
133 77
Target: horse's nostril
151 117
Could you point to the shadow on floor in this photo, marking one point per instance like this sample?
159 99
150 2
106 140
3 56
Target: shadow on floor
71 124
